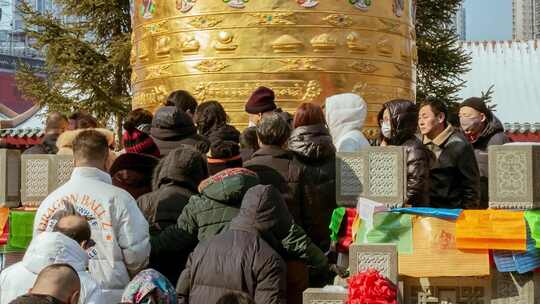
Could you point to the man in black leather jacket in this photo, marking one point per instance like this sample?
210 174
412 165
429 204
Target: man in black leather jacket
455 178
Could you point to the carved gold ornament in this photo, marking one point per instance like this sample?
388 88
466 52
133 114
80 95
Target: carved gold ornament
205 22
190 45
324 43
273 19
211 66
286 44
225 43
357 44
299 64
364 67
339 20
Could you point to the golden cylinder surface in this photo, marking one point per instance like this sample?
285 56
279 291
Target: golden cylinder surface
305 50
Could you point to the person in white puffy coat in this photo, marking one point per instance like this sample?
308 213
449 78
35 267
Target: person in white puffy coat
119 229
345 116
46 249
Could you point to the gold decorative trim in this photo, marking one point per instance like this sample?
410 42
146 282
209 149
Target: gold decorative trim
274 19
157 71
211 65
390 26
299 64
363 67
339 20
205 22
150 97
313 90
234 91
403 72
157 28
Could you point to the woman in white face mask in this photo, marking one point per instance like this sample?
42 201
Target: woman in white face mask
398 124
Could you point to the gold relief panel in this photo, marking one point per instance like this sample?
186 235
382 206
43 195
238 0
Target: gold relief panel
153 72
287 44
157 28
189 44
339 20
414 54
324 43
403 72
385 46
143 49
390 26
163 48
224 43
149 98
299 64
356 44
226 91
211 65
364 67
273 19
205 22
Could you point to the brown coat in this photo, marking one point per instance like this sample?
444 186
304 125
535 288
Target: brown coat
242 259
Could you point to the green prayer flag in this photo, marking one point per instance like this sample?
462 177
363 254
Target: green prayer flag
335 222
20 228
533 219
388 228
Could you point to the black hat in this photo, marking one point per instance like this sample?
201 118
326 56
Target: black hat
478 104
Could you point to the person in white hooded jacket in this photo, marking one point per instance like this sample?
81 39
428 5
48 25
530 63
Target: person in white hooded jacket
46 249
345 116
119 229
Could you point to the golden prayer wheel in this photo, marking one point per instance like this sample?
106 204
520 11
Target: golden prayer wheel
305 50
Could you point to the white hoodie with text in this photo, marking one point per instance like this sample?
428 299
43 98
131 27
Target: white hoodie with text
119 229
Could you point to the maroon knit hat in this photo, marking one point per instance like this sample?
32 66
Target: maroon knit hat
139 142
261 101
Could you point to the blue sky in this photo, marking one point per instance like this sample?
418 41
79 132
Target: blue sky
489 19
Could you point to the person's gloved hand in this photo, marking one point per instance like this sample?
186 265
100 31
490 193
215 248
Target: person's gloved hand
342 272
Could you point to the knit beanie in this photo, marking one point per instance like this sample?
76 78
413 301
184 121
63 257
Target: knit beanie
140 142
478 104
261 101
225 142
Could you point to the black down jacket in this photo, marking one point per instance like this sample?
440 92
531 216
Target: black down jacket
172 127
243 259
313 147
175 180
404 120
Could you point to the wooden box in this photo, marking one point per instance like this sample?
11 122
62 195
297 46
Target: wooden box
514 176
375 173
41 175
10 170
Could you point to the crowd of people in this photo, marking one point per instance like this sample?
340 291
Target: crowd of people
227 217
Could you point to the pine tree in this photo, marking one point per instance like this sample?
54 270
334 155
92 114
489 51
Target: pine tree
86 58
441 61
